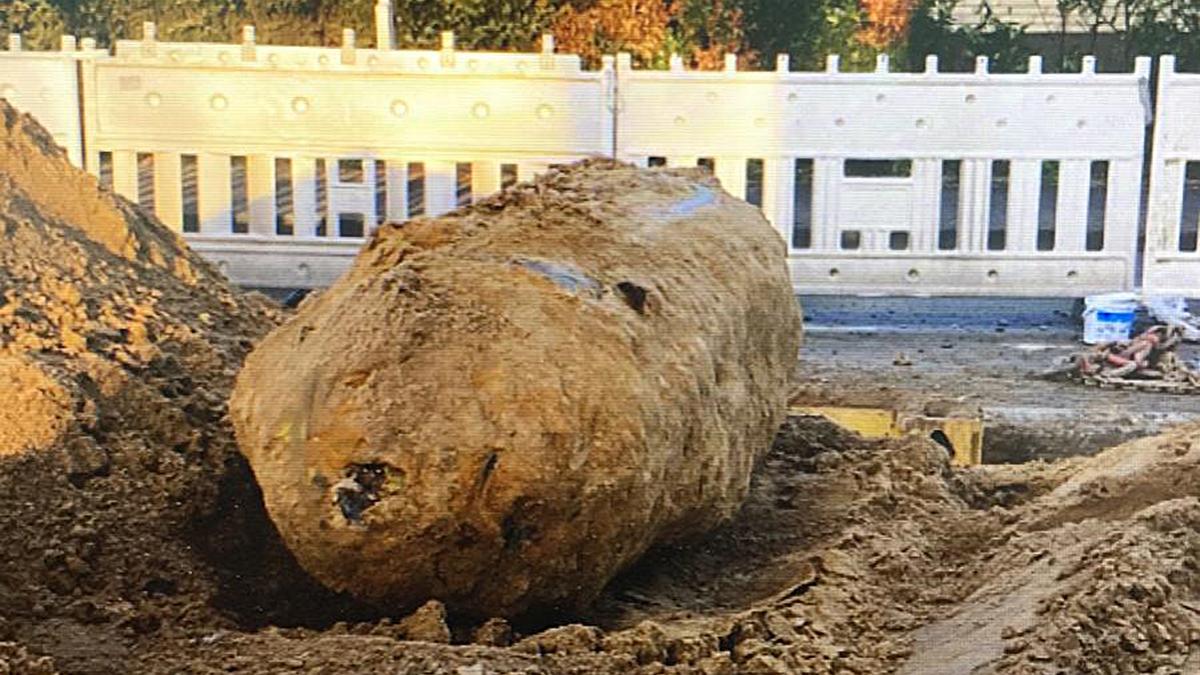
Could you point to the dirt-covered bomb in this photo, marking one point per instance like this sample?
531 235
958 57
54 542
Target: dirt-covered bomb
503 407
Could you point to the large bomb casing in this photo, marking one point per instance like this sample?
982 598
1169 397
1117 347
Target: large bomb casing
503 407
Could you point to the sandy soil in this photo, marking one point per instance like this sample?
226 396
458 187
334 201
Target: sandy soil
133 537
850 556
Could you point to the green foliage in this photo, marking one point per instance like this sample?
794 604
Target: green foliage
1141 27
956 45
843 20
477 24
38 21
807 30
713 25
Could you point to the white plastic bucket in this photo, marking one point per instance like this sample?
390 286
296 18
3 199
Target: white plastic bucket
1108 317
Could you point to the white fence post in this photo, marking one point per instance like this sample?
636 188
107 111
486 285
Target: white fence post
215 196
260 193
304 195
168 189
441 187
485 179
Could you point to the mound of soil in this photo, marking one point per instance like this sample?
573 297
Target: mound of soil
119 475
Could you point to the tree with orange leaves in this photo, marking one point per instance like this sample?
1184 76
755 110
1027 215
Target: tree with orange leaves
710 29
701 31
886 22
639 27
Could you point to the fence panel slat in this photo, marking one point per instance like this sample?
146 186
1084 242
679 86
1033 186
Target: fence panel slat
1123 206
168 189
260 192
215 199
397 189
441 187
976 199
485 179
731 172
1073 183
1024 191
826 171
927 184
304 195
125 174
778 178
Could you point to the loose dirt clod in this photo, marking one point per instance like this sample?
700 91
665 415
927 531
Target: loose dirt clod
503 407
16 660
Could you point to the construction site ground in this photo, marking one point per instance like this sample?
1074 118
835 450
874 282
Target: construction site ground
976 356
134 538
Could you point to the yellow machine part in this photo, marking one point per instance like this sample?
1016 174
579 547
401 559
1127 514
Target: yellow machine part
964 434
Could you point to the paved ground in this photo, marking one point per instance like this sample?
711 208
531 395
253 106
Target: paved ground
983 354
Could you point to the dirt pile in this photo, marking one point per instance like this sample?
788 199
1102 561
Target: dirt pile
118 473
1112 556
502 407
1096 575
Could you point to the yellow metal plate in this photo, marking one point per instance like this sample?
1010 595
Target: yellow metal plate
963 434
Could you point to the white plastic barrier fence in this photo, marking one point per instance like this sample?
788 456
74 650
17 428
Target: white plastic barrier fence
46 84
1172 261
277 161
915 183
